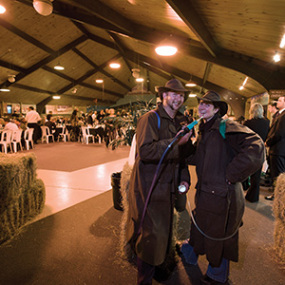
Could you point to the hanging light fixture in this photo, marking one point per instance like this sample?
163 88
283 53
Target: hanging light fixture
12 78
43 7
99 81
139 79
56 97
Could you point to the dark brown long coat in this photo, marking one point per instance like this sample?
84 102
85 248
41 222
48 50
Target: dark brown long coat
152 244
219 205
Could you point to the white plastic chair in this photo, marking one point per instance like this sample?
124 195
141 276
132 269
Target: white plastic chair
5 142
46 134
64 135
16 140
28 136
86 135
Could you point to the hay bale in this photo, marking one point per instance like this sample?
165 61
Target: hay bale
279 240
22 196
23 209
279 200
17 172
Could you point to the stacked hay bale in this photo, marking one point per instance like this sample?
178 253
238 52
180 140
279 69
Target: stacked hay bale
279 213
22 195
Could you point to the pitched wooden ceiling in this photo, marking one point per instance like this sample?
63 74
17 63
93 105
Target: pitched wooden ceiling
220 44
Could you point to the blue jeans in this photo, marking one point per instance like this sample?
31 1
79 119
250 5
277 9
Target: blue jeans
219 274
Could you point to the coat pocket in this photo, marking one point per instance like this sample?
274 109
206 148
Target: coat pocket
213 199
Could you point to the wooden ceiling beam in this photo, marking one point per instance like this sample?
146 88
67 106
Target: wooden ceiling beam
100 69
25 36
104 12
187 12
121 48
47 60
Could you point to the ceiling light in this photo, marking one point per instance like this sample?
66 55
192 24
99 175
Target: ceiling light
136 72
282 43
190 84
115 65
11 78
74 90
244 82
56 97
2 9
276 57
4 90
166 50
99 81
43 7
192 95
139 79
59 67
241 88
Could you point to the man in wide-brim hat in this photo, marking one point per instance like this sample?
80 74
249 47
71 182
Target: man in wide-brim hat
173 85
148 226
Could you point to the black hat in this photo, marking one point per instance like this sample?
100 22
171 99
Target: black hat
213 97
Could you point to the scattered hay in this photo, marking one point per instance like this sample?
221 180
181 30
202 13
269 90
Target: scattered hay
279 200
22 195
279 212
279 240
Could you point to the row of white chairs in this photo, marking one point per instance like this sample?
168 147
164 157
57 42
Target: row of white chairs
46 135
86 136
13 139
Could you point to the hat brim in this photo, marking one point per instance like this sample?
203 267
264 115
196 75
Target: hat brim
223 106
166 89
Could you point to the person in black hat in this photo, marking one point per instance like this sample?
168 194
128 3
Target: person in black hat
150 237
226 154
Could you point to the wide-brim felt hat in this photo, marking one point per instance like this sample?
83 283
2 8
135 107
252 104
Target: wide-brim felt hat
172 85
213 97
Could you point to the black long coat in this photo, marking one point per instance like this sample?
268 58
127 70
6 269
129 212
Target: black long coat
152 244
220 205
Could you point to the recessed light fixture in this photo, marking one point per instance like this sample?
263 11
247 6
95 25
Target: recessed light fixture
115 65
5 90
2 9
56 97
166 50
190 84
99 81
282 43
59 67
276 57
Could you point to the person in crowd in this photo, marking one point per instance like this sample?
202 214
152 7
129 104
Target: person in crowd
10 126
50 123
150 236
100 116
226 154
33 118
259 125
272 108
74 123
90 119
276 143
